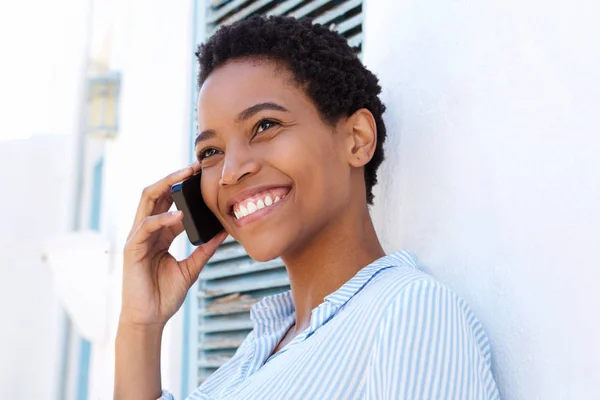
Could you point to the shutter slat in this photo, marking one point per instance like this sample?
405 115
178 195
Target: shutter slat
226 326
246 11
231 304
308 8
355 40
349 24
234 309
284 7
237 267
228 251
214 16
218 344
213 363
337 11
217 3
271 279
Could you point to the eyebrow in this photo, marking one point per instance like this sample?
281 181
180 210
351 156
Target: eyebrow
244 115
204 135
250 111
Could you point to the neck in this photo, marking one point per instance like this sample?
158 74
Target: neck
332 257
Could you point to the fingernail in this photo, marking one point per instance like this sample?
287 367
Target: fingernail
175 213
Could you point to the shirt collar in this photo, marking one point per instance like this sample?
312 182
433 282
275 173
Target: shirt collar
272 310
277 309
362 277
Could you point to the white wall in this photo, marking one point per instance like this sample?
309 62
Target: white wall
153 51
43 46
42 43
35 176
492 174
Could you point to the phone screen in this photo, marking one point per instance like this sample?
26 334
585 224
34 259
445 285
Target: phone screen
200 224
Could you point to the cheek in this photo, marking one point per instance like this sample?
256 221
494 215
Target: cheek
311 159
295 154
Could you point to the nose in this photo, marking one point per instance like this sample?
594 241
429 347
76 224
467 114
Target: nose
238 163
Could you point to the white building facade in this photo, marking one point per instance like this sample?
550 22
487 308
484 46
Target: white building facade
491 174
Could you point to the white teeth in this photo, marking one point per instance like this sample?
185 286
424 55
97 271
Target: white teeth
251 207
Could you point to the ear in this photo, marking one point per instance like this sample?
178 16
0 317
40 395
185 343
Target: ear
361 138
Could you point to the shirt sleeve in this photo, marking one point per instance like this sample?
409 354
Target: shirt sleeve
430 346
196 395
166 396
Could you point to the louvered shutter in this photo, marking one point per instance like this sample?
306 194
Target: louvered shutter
229 285
345 16
232 282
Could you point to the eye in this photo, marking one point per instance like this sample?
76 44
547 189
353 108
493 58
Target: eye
209 152
264 125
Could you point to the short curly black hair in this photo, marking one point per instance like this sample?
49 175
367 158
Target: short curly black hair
320 60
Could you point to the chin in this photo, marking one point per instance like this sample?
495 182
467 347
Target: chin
263 249
261 254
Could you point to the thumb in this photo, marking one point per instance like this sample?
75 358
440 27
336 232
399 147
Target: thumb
200 256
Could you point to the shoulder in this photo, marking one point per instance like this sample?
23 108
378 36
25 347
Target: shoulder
399 277
428 342
418 295
414 305
403 282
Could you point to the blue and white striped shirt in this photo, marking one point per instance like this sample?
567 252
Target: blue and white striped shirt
390 332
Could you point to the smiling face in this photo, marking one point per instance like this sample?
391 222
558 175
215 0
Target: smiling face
273 172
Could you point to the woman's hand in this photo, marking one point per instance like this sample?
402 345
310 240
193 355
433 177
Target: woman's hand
154 282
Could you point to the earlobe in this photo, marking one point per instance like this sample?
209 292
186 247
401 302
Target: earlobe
363 137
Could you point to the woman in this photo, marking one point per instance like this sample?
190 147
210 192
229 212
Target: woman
290 138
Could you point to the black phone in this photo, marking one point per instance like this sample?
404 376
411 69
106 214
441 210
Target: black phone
199 222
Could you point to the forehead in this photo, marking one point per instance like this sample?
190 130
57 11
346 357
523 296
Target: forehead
240 84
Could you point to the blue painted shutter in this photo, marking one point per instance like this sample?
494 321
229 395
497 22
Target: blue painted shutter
232 282
345 16
229 285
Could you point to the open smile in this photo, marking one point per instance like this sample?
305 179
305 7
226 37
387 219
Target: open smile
258 205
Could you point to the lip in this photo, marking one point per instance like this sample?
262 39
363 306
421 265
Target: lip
263 212
247 193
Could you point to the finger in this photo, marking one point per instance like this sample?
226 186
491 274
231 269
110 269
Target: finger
154 223
196 166
200 256
163 204
176 229
153 193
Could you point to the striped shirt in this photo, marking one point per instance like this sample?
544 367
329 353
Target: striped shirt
390 332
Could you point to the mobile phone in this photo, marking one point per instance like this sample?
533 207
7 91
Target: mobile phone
199 222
